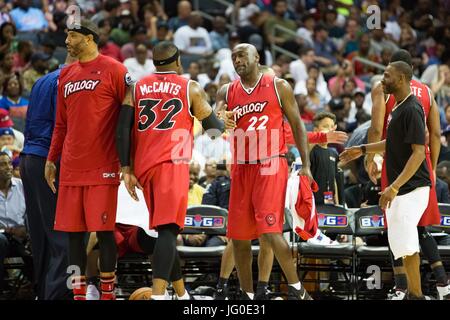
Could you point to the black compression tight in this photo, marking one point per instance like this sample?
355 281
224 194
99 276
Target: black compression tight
165 253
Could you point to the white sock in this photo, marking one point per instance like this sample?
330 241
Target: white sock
297 285
159 297
185 296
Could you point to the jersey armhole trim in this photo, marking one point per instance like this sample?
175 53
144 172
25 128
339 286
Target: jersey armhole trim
387 99
276 91
188 98
133 92
226 92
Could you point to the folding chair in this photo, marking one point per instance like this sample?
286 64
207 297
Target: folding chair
373 260
201 261
333 220
443 230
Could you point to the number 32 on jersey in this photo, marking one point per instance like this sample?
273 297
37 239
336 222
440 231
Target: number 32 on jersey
153 111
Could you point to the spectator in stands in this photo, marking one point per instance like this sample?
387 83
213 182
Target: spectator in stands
59 35
219 34
39 67
4 13
331 23
193 39
314 101
324 47
13 101
248 17
210 173
28 19
443 171
194 74
306 32
345 72
364 51
299 68
321 85
184 10
218 192
7 34
18 138
6 66
162 32
379 42
139 66
196 192
385 56
324 162
49 48
275 36
336 107
23 56
121 34
351 36
211 91
138 36
7 143
441 86
107 47
109 9
12 207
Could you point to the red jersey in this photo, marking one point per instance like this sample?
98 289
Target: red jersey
88 103
259 132
163 121
422 93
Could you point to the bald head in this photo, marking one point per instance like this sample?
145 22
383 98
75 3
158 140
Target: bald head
245 60
247 47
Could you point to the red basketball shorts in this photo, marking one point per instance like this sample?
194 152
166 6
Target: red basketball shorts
86 208
257 199
166 188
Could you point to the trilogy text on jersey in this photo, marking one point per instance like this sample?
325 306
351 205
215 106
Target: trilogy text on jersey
72 87
240 111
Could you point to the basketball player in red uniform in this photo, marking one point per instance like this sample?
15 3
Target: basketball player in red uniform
162 108
259 173
90 92
382 107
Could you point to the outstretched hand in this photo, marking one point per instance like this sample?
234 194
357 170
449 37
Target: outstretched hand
339 137
350 154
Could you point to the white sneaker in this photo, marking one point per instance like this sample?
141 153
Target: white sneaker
92 292
321 240
444 292
397 295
